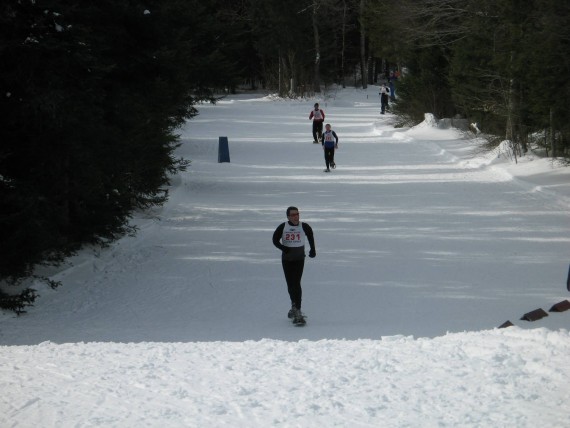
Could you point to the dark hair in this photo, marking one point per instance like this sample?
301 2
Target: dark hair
291 209
316 104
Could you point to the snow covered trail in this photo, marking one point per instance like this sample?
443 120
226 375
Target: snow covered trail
185 324
410 239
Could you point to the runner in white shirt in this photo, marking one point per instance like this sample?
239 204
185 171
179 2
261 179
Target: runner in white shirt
318 117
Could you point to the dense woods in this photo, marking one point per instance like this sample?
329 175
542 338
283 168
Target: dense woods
93 92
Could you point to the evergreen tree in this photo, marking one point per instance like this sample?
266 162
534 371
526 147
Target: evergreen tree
547 66
93 96
424 88
492 72
474 77
422 32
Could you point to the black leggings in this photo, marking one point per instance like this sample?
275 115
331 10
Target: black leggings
317 130
293 272
329 157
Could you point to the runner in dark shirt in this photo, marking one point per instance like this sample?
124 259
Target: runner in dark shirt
330 143
289 237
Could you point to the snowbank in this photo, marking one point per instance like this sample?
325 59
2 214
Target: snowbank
492 378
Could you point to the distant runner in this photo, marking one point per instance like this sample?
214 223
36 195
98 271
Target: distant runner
330 143
318 117
384 93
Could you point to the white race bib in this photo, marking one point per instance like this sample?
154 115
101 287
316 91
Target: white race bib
293 236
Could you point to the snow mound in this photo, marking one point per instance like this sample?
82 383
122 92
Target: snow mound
508 377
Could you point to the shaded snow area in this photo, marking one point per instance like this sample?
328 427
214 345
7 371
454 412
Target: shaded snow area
424 247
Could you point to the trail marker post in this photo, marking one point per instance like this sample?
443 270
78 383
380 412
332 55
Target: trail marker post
223 150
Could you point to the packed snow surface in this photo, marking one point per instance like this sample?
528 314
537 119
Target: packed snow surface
424 247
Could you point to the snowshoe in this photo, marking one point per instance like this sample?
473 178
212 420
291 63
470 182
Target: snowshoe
333 165
298 317
299 320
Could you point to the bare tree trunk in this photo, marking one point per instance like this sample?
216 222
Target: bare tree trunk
279 91
370 73
283 73
509 132
552 133
293 73
342 72
66 191
509 126
363 65
317 81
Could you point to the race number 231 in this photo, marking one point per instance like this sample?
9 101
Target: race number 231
292 237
